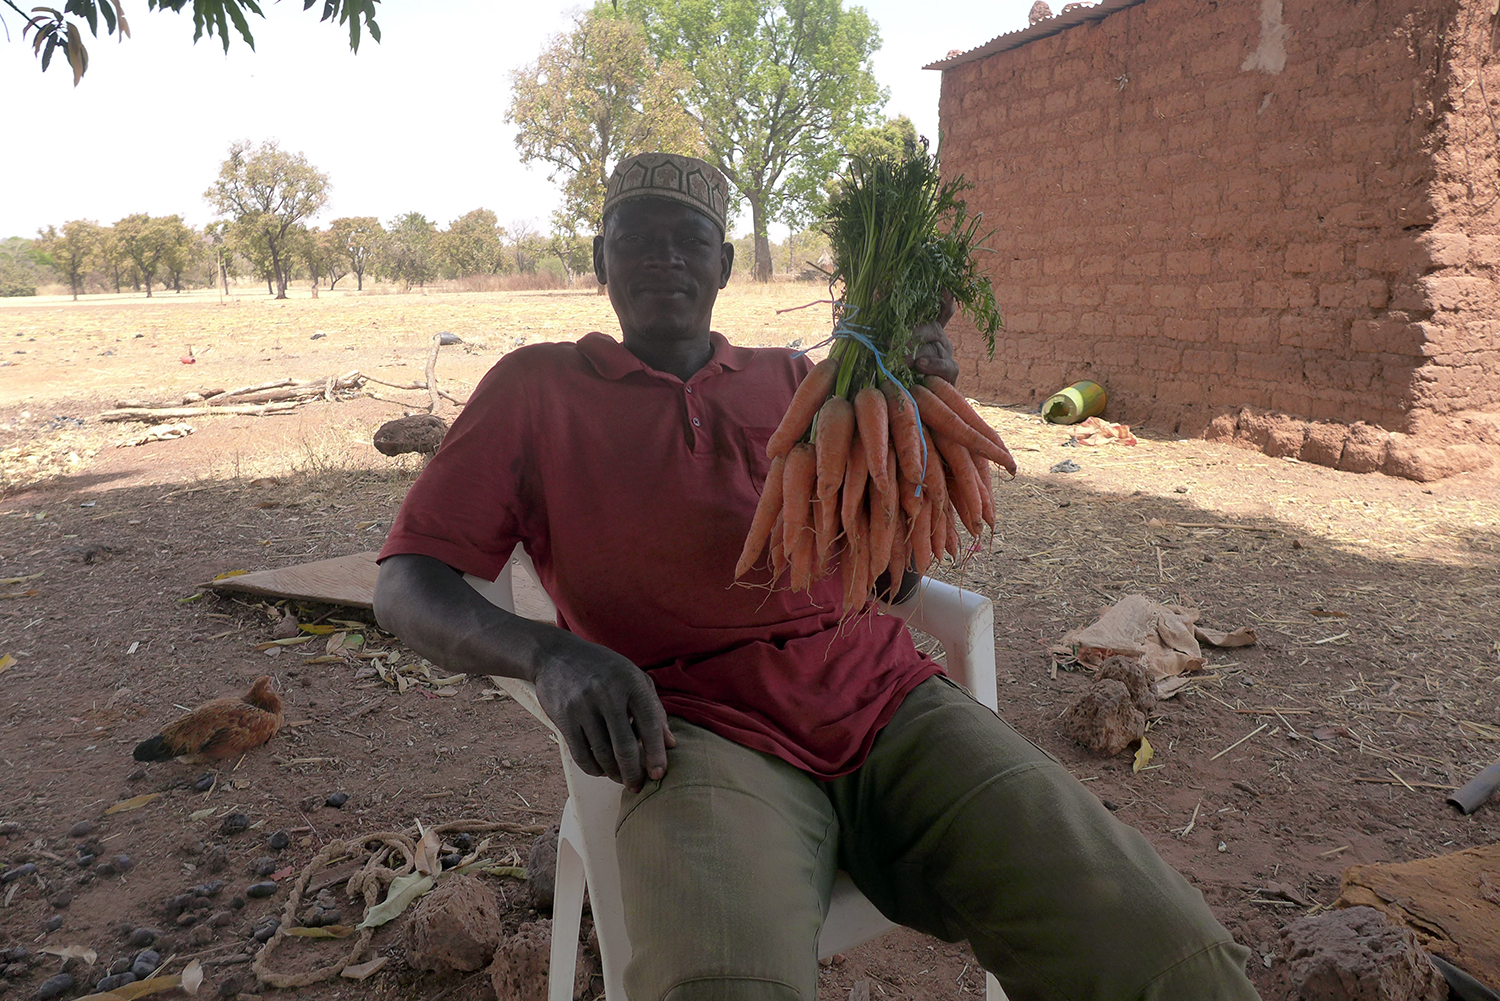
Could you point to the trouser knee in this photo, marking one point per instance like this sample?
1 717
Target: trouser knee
733 989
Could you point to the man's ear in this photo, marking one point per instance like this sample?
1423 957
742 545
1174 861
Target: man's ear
599 259
726 263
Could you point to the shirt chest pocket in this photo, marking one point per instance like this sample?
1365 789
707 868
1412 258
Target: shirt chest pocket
755 454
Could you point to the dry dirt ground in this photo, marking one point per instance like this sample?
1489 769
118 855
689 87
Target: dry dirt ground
1373 687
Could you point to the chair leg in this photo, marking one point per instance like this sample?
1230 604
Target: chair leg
567 912
992 989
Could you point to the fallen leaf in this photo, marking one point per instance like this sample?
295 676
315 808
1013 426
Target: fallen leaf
327 931
1326 613
456 679
319 630
231 573
82 952
429 849
139 989
192 977
190 598
268 644
363 971
6 662
1143 755
7 581
21 594
324 659
403 890
207 811
133 803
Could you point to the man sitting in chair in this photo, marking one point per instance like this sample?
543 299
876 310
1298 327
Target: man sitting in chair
761 746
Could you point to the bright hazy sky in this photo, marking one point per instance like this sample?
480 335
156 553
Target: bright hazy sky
414 123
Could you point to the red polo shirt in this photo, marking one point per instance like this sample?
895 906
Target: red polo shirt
633 492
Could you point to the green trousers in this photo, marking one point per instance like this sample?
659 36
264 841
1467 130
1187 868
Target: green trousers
955 825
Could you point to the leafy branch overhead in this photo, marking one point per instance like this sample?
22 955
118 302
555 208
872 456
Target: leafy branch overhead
60 29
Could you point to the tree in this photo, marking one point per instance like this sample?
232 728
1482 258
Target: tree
270 191
472 245
778 84
526 246
408 254
111 256
359 239
896 139
73 251
575 253
184 249
330 256
53 29
19 271
217 236
144 241
593 94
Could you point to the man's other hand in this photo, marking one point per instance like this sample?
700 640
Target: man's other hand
607 710
934 352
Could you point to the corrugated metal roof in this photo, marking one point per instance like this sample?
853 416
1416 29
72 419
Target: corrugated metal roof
1041 29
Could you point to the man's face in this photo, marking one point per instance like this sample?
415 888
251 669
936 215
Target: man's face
663 264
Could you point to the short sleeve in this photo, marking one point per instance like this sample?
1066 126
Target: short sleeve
474 502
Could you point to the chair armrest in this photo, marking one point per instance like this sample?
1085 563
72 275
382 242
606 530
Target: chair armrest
964 623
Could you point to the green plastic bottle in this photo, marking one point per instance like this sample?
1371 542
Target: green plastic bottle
1078 402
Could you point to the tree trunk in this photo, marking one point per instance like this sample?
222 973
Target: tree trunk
280 273
359 280
148 286
270 290
762 272
223 271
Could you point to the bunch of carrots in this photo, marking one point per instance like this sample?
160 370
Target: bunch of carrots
874 467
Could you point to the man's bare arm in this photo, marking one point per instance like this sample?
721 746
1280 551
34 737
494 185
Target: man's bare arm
605 706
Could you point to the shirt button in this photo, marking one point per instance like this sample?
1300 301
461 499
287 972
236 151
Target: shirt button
695 423
689 389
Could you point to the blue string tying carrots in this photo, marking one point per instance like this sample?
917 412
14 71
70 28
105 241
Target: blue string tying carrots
847 331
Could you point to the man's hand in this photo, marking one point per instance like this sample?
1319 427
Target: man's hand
607 710
604 705
934 352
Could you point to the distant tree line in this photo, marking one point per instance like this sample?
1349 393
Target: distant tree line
152 254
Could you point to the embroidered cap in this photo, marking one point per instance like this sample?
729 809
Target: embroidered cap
677 178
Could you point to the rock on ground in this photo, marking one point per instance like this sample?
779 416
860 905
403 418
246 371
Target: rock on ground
455 927
519 972
541 870
1356 955
417 433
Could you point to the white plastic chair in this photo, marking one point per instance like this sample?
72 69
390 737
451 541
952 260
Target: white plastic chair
962 621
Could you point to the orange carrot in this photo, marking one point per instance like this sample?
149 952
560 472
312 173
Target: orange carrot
953 541
778 549
856 480
856 561
908 495
921 539
831 446
765 517
905 431
883 517
935 491
900 557
805 403
945 391
965 493
937 416
799 476
986 492
873 415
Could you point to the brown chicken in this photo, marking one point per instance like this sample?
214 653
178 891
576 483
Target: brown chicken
221 728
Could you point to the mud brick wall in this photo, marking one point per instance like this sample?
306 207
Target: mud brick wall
1243 206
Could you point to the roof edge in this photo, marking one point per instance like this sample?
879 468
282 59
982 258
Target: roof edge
1042 29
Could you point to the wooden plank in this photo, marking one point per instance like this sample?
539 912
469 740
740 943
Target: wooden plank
345 580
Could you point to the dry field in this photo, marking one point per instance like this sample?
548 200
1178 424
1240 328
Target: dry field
1374 684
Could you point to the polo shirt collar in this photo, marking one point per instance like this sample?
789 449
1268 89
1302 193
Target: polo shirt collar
612 360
